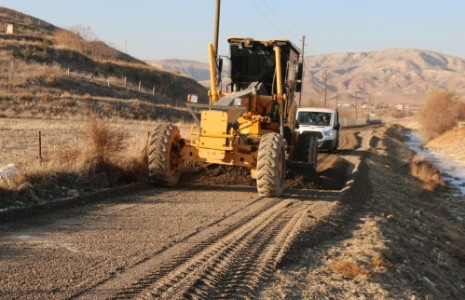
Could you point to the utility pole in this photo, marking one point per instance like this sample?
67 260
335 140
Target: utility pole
326 84
302 80
217 27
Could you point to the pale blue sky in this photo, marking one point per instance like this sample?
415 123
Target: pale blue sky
155 29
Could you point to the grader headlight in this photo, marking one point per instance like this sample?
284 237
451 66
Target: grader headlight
248 42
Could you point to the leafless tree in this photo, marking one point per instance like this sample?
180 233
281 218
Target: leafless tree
439 113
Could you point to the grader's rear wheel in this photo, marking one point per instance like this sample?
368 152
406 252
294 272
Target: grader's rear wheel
271 165
164 155
307 149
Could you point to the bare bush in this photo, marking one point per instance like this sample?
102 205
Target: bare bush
68 39
422 169
438 113
102 147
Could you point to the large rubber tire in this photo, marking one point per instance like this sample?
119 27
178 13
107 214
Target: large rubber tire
271 165
314 151
307 149
336 146
164 155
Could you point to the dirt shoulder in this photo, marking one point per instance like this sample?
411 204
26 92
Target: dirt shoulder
382 236
400 242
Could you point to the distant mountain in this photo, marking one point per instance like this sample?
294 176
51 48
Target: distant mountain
387 76
390 76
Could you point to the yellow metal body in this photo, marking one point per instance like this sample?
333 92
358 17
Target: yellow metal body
213 89
217 141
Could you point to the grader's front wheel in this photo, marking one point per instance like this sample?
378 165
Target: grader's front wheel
164 155
271 165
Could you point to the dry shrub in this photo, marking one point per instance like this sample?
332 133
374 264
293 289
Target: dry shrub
44 96
422 169
102 146
22 96
438 113
39 73
348 268
68 39
66 94
51 79
103 159
379 262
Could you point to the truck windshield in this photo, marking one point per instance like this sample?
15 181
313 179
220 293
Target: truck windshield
314 118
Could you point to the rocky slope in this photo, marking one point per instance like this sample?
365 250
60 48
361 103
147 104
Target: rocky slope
51 71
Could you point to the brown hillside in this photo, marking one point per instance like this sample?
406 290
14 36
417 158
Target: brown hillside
48 71
389 76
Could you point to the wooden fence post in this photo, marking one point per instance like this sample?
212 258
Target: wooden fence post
140 84
147 143
12 69
108 81
40 147
125 81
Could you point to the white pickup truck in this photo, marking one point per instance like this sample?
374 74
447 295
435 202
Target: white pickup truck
324 122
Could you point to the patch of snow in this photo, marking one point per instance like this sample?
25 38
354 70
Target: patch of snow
453 171
8 171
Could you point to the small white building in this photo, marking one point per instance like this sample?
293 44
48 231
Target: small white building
11 29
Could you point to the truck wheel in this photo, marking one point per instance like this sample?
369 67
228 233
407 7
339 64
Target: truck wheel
271 165
307 149
333 149
164 155
313 151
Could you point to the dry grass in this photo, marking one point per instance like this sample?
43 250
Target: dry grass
379 262
348 268
427 173
102 158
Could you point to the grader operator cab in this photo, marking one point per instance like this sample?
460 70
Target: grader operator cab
250 124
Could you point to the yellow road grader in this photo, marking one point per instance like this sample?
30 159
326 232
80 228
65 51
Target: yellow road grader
251 123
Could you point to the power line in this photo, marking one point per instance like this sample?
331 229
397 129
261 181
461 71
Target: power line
268 18
274 9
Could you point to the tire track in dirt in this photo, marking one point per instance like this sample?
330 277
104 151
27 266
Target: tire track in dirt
142 275
230 263
349 140
235 265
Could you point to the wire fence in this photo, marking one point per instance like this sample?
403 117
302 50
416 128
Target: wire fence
34 145
11 70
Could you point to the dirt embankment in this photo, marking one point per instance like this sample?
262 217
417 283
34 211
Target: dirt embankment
403 242
451 143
